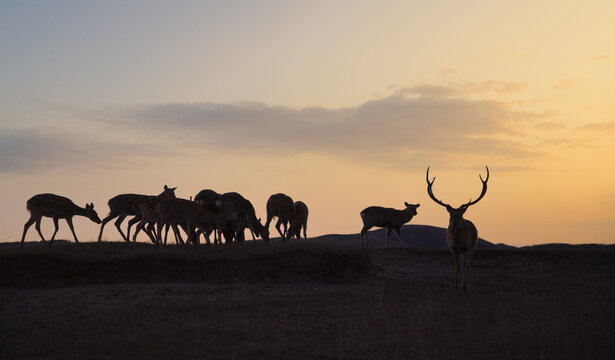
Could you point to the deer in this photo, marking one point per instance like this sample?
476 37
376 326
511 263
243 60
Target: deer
281 206
149 216
207 199
56 207
302 217
236 213
128 205
186 213
461 234
389 218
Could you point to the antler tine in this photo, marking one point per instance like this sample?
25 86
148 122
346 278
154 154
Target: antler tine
483 192
430 191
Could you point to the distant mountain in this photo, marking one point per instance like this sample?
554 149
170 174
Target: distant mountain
416 236
562 246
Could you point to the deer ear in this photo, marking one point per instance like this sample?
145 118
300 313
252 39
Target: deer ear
173 189
407 205
166 187
417 205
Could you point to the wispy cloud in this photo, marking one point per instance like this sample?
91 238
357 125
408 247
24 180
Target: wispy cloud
47 149
463 89
549 125
391 131
604 128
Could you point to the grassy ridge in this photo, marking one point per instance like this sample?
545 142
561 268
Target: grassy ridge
110 263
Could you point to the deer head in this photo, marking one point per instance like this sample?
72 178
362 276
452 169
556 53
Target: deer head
168 192
261 230
456 214
91 213
412 208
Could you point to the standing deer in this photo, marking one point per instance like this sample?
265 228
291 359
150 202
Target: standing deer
302 217
236 214
461 235
282 207
56 207
207 199
128 205
149 216
185 213
388 218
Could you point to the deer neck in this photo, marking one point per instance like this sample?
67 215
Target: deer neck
80 211
406 216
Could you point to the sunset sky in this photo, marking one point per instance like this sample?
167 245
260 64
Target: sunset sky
340 104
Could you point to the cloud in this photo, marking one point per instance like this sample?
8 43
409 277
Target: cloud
603 128
391 131
462 89
549 125
46 149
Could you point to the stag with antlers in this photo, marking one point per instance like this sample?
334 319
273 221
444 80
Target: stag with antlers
461 235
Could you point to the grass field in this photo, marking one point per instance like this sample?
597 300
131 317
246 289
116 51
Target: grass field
302 300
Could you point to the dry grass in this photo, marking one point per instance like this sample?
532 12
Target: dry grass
524 304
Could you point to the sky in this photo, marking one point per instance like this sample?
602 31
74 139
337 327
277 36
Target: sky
340 104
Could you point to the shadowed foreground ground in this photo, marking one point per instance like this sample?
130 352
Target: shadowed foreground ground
525 304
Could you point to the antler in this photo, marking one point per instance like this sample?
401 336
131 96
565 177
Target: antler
482 192
430 192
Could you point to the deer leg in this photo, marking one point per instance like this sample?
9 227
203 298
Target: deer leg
463 267
207 234
159 226
388 234
55 224
364 235
140 226
304 230
109 217
277 226
253 237
131 222
166 233
69 221
178 236
459 270
194 237
38 228
26 226
150 231
398 232
118 222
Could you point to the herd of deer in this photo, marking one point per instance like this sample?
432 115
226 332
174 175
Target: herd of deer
229 214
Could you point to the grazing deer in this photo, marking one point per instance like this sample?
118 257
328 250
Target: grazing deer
56 207
461 235
282 207
128 205
183 212
302 217
149 216
207 199
388 218
236 214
